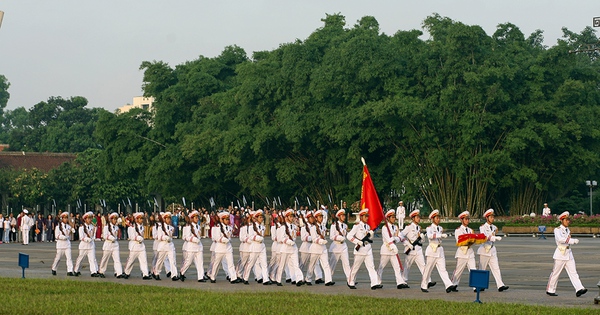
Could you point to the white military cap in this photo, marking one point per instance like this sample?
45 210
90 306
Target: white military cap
138 215
288 212
363 211
113 215
564 215
434 213
390 212
319 212
64 214
340 212
463 214
194 214
224 214
414 213
488 213
88 214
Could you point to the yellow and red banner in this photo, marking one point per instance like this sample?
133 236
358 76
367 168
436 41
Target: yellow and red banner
370 200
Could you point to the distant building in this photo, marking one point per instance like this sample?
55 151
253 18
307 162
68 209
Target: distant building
144 103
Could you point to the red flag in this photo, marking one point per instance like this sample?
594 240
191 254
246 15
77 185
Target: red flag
369 199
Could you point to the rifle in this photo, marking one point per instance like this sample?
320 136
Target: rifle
416 242
367 238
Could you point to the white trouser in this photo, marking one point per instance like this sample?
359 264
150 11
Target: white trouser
569 265
303 261
106 255
419 260
91 255
197 259
395 264
257 259
289 260
461 263
333 260
440 264
315 270
25 236
59 253
401 223
169 256
242 264
494 267
358 260
141 257
273 265
228 266
319 259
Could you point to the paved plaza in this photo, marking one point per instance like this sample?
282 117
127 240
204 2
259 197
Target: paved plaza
525 262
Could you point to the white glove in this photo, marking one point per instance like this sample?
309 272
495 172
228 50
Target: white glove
289 242
322 242
575 241
360 243
497 238
444 235
88 240
394 248
370 234
195 240
258 238
396 240
62 237
224 240
168 239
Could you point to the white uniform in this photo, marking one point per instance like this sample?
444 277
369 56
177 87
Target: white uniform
286 236
223 251
389 252
26 223
363 254
137 249
192 249
464 255
258 252
318 252
400 215
275 254
338 248
411 233
435 257
87 247
110 234
563 258
487 252
244 251
62 234
304 250
165 249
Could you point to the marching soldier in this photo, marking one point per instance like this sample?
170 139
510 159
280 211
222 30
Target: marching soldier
563 258
389 250
464 254
192 247
221 235
318 250
87 247
435 254
244 247
257 248
413 246
286 236
338 247
62 234
110 234
361 235
137 249
165 247
305 254
487 251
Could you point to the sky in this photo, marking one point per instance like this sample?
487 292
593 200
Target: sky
94 48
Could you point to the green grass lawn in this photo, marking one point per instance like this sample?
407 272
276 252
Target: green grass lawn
35 296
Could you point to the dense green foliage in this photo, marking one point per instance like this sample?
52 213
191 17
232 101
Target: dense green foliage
459 121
